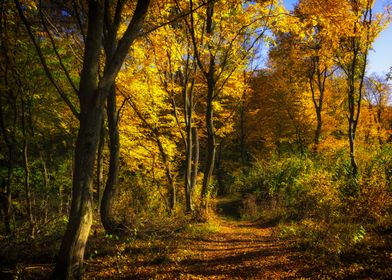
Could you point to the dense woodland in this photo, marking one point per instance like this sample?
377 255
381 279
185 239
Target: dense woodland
132 129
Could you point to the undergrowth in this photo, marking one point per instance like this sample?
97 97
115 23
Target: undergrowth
314 200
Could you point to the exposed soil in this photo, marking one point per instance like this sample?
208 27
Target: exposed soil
237 250
230 249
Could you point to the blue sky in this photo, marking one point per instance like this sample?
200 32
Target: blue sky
380 58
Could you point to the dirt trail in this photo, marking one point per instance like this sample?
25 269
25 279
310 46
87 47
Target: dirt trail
238 250
231 249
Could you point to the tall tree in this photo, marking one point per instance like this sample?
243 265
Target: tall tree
92 93
361 30
222 38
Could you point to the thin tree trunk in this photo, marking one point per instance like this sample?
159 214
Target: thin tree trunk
60 210
320 80
211 83
195 158
218 170
211 149
46 189
101 145
242 134
188 107
351 136
188 170
111 189
27 188
7 198
26 168
169 176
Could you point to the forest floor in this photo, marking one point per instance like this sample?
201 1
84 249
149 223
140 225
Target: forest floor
228 249
225 248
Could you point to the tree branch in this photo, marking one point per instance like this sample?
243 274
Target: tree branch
43 60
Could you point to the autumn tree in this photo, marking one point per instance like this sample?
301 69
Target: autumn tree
377 95
318 47
355 34
92 93
220 37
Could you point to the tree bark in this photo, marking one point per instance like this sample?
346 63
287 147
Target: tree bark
69 264
211 83
188 108
188 170
319 80
101 145
70 260
211 142
92 95
218 171
169 176
111 189
195 158
242 134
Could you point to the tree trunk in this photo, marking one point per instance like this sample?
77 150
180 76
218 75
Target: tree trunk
7 195
27 188
211 150
111 189
351 136
92 93
26 168
195 160
242 134
46 189
218 170
188 174
210 77
70 260
169 176
69 264
101 145
320 80
188 166
317 132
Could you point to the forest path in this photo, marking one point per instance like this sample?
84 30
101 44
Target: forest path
235 250
238 250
